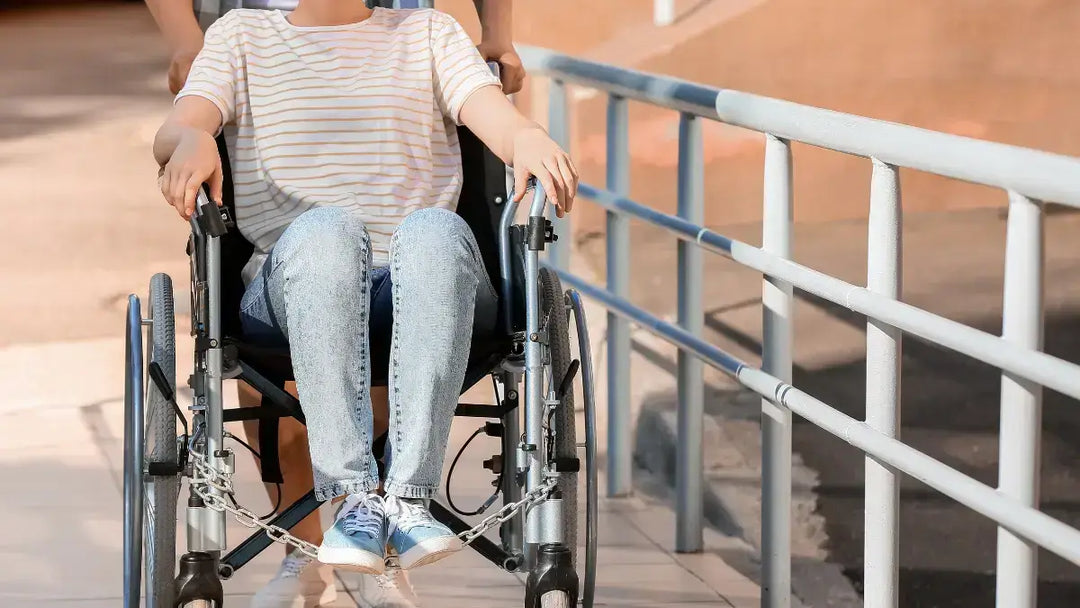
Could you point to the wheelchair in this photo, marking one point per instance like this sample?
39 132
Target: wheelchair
536 473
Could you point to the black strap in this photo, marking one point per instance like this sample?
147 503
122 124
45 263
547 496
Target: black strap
268 446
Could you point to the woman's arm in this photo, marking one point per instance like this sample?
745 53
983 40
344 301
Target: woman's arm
523 144
497 41
177 22
186 150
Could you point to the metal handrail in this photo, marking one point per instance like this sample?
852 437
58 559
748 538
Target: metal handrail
1030 177
1045 369
1041 175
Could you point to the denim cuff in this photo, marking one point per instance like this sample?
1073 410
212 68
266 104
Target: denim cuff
331 491
408 490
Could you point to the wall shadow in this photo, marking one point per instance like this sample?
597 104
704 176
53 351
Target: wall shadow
950 410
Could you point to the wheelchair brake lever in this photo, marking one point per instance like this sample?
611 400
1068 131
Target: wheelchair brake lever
568 380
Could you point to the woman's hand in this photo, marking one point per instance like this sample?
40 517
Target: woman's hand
536 154
194 161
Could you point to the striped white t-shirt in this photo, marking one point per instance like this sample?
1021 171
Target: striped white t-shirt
360 116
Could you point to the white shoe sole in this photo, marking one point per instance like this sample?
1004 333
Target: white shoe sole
429 551
354 560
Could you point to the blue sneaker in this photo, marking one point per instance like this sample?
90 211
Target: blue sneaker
415 535
357 540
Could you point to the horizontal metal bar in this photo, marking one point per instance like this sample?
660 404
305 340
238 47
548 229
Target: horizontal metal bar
1037 174
1023 521
1033 173
663 91
254 544
237 414
476 410
1048 371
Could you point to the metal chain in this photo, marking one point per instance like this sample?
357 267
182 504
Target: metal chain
508 511
207 476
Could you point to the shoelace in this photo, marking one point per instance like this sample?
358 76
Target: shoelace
404 515
363 513
293 565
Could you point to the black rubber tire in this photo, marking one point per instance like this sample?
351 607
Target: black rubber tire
159 518
556 316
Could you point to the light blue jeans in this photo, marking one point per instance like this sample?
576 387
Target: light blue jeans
314 290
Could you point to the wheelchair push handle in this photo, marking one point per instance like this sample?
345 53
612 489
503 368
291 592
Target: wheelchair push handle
212 219
539 197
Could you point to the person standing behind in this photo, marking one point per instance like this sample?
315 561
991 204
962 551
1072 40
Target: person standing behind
299 581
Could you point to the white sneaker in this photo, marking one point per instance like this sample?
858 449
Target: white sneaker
299 583
388 590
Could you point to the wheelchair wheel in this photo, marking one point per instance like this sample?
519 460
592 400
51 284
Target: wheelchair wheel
556 316
159 518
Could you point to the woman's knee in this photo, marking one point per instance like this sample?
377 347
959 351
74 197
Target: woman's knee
337 237
436 236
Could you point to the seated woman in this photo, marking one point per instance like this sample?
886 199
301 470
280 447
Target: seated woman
341 132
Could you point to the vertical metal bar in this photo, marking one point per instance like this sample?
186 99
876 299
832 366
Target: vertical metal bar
214 524
534 380
559 128
776 297
663 12
511 530
618 283
689 465
883 348
133 455
1021 400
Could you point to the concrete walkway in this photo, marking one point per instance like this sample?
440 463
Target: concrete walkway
61 470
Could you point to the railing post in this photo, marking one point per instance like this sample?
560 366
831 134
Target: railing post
776 300
690 457
1021 400
620 457
663 12
559 128
883 353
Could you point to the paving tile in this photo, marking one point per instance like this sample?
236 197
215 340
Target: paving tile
610 555
657 523
651 583
55 428
81 462
442 591
46 476
25 602
61 552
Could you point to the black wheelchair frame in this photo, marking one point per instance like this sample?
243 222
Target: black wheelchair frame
540 464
